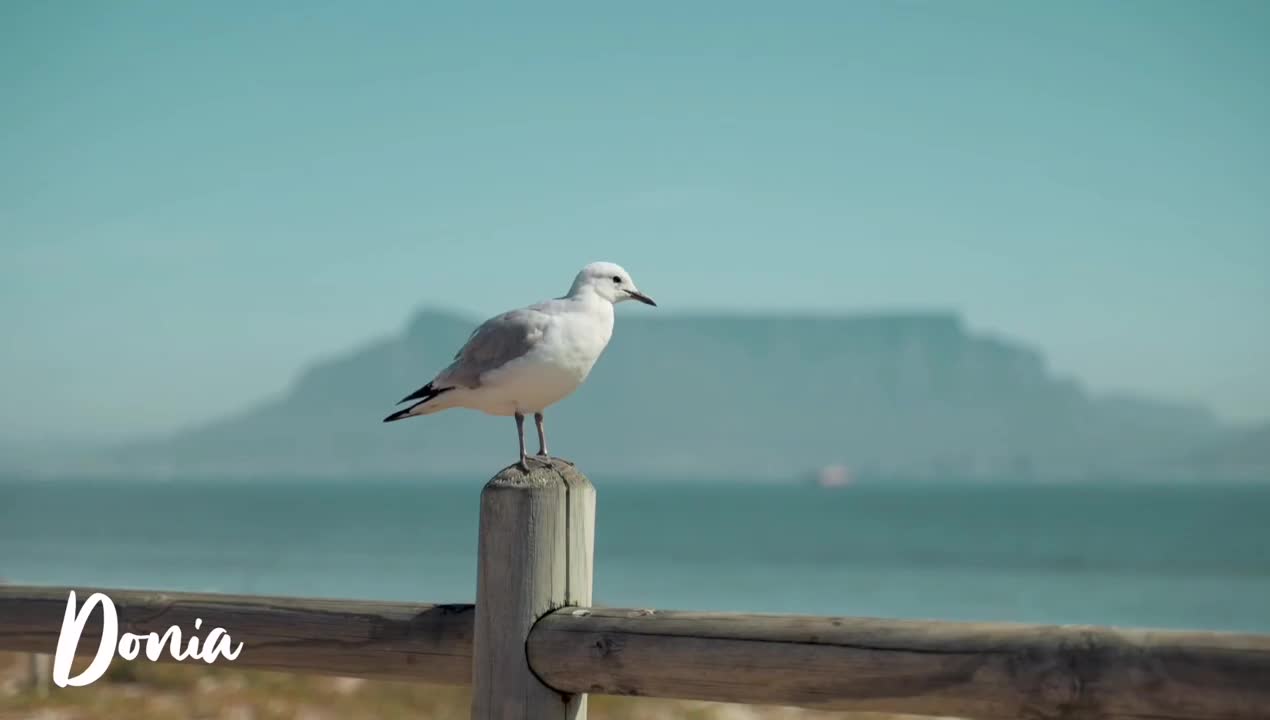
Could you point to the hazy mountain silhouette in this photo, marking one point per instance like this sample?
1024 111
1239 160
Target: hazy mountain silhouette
889 395
1242 454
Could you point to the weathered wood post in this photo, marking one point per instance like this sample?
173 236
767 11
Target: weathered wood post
537 540
40 673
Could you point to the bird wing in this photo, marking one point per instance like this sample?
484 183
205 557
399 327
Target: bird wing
495 343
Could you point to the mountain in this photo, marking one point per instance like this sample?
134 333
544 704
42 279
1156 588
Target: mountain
889 395
1242 454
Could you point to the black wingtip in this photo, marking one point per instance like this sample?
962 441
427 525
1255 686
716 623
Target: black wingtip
422 393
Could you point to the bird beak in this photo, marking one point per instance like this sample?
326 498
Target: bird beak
637 295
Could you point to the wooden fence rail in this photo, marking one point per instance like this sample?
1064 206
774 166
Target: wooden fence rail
353 638
971 670
531 648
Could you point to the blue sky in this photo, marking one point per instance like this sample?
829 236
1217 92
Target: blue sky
198 199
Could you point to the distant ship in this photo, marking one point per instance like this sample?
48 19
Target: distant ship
834 476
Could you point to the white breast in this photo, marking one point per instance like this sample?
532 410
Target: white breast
571 344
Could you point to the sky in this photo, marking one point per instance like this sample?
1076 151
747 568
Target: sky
198 200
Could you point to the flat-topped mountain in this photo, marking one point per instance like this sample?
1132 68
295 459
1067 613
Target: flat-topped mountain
1242 454
888 395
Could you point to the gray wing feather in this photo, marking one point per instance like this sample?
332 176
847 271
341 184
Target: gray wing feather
495 343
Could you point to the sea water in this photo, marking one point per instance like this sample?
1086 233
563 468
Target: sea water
1178 556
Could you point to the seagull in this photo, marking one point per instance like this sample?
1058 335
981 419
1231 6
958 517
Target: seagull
526 360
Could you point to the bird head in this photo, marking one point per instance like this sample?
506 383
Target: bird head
610 282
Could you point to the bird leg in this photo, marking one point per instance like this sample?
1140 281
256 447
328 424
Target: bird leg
520 434
542 436
543 456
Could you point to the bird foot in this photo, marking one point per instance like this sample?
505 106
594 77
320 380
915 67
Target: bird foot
540 457
526 463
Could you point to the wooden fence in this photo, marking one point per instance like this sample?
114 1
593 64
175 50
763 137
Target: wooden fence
531 647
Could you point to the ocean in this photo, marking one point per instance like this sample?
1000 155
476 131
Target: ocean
1178 556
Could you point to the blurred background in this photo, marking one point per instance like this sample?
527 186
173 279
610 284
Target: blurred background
963 308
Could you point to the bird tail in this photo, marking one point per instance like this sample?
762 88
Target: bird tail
424 395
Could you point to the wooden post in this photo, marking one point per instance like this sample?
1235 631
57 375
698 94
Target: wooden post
41 673
537 539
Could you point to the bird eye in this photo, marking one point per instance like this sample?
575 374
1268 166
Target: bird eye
617 279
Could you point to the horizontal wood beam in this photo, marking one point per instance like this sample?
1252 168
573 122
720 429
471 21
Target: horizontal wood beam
375 640
987 671
974 670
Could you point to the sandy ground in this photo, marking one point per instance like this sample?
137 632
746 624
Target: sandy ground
148 691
